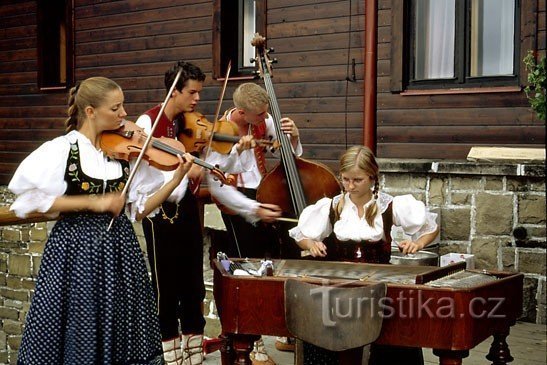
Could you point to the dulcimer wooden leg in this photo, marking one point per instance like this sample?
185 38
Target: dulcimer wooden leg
449 357
499 352
238 352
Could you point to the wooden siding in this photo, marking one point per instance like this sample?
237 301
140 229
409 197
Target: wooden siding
134 42
447 126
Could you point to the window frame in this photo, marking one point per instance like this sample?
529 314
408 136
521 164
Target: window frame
402 59
43 83
221 45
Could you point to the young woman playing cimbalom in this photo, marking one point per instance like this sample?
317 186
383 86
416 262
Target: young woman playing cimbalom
354 226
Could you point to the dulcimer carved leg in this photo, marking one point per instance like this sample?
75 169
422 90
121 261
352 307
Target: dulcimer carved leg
237 349
449 357
499 352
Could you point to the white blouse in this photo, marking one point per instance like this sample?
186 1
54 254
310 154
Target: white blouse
408 213
39 179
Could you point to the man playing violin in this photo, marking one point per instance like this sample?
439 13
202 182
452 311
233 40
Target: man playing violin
247 237
173 237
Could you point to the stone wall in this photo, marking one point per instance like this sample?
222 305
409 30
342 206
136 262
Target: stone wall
494 211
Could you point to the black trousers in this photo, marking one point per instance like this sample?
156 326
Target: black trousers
175 253
244 239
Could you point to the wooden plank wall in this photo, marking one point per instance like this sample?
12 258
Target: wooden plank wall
134 42
447 126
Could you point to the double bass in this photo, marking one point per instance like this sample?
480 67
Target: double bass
295 182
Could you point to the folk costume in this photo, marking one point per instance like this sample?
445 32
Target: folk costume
93 301
247 237
349 237
175 252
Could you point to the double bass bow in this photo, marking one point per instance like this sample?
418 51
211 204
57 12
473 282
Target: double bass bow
295 182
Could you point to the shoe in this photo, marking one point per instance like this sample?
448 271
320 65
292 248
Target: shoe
259 356
284 344
192 349
172 355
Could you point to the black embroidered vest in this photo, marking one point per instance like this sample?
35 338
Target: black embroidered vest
79 183
372 252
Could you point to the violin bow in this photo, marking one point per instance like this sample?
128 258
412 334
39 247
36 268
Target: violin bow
217 112
148 139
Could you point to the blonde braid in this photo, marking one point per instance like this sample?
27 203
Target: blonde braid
71 123
373 208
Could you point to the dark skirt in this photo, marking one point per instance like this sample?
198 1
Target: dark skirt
93 302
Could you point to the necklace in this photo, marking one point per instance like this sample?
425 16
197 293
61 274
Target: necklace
166 217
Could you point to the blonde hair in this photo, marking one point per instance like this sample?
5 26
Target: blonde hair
362 158
90 92
250 97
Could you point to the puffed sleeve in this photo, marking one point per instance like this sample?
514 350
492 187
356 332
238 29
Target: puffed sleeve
233 199
233 162
313 222
413 216
39 179
146 182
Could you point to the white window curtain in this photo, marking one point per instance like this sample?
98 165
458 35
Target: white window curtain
248 30
492 37
435 37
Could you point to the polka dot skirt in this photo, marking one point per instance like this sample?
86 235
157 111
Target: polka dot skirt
93 302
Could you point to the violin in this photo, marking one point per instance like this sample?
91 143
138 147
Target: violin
197 133
127 141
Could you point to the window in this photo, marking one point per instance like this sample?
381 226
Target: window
458 43
55 44
234 26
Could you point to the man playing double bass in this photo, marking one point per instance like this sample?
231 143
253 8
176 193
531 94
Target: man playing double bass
247 237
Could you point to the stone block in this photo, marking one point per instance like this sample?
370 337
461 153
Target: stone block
455 224
516 184
4 357
418 182
29 284
18 295
494 214
36 247
38 234
532 262
36 260
3 262
465 183
13 282
542 292
9 313
537 185
508 258
436 191
493 183
456 248
13 235
460 198
529 302
486 252
3 342
541 317
12 327
14 342
532 209
397 181
19 265
539 232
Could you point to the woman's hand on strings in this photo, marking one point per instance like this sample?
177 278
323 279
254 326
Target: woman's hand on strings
408 246
317 249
